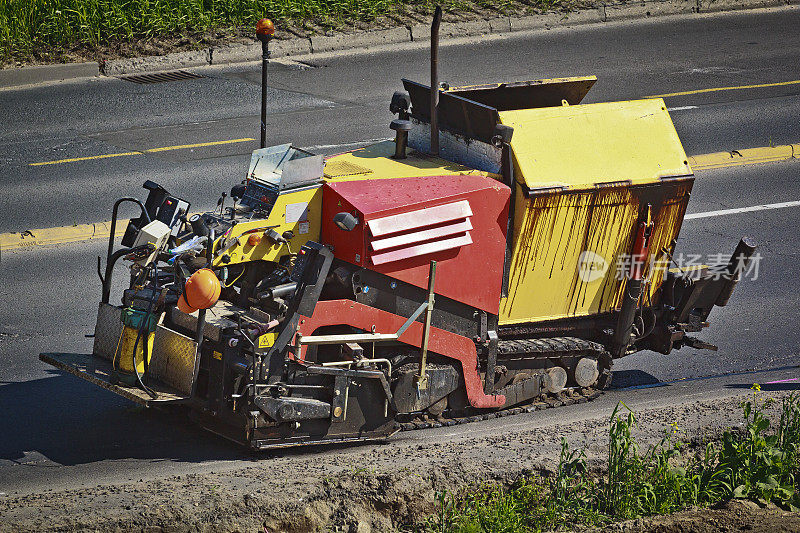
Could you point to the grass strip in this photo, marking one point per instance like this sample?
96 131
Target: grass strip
30 28
758 462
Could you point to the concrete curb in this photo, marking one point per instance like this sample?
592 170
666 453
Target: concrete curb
13 77
174 61
606 12
64 234
100 230
221 55
747 156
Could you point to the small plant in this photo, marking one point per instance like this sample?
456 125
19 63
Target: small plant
571 497
760 462
624 466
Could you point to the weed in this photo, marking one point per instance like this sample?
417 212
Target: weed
623 466
758 462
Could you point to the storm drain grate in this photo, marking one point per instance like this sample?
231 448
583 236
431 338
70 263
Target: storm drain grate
161 77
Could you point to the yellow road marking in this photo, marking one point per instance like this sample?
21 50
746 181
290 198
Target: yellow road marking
149 150
746 156
198 145
64 234
99 230
74 159
735 88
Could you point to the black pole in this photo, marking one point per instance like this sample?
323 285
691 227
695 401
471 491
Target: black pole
201 321
264 62
437 19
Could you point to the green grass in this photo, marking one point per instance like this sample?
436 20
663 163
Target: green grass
759 463
29 24
31 27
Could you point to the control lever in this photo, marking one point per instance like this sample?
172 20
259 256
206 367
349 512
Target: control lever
261 329
221 203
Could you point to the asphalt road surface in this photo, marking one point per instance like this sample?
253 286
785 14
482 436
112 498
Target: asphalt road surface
57 431
344 99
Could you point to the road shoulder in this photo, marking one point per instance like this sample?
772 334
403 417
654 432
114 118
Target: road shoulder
377 487
475 25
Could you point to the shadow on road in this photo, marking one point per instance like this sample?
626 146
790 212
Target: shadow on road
772 387
72 422
623 379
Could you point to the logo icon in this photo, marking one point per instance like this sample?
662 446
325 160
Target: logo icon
591 266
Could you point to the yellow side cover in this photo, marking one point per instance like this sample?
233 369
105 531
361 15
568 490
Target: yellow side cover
584 145
586 175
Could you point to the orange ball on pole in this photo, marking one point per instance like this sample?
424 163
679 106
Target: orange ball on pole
265 28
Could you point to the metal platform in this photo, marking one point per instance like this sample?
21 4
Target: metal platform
98 371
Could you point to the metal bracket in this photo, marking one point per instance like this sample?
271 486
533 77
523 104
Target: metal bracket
491 362
698 344
342 382
350 373
422 379
341 392
484 327
508 175
312 340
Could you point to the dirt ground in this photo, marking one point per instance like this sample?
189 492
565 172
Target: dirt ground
737 515
380 487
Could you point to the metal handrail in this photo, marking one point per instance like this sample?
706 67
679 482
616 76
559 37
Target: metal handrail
111 256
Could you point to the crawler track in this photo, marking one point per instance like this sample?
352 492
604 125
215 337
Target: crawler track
552 348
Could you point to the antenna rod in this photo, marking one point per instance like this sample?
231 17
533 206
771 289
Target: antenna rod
265 30
437 19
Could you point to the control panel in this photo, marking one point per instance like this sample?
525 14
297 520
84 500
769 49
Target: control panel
260 196
171 211
161 206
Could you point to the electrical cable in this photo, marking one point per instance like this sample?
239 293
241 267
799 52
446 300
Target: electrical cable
649 330
235 279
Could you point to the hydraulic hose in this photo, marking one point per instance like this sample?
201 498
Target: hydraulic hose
142 327
112 260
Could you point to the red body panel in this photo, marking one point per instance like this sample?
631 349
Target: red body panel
404 223
462 349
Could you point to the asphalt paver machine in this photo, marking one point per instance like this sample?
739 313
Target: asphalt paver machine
502 250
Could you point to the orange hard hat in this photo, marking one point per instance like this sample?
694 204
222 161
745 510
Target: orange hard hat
202 291
185 307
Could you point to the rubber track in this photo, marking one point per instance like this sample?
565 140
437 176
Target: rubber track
552 347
